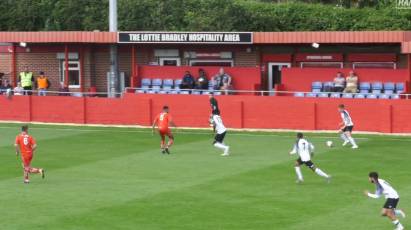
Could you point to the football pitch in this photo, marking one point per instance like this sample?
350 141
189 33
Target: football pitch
116 178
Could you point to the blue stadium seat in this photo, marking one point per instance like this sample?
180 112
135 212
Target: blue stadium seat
173 92
185 92
328 86
335 95
156 88
395 96
388 91
389 86
151 92
323 95
316 90
376 85
399 88
347 95
196 92
177 83
364 91
298 94
372 96
145 82
168 84
157 82
162 92
145 87
384 96
365 87
317 85
359 96
139 91
311 95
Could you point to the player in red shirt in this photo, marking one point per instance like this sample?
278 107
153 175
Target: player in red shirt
25 146
163 122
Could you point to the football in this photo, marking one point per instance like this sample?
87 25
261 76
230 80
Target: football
329 144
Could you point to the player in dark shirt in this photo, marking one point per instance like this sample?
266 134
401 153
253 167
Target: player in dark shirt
214 105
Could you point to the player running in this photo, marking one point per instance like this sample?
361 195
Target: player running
218 127
305 150
346 127
163 122
25 146
384 188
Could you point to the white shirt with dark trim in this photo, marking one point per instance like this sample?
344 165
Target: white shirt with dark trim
218 123
346 118
384 188
304 149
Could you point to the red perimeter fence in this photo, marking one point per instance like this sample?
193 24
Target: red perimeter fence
386 116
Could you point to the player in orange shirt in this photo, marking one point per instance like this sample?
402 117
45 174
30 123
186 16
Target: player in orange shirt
163 121
26 145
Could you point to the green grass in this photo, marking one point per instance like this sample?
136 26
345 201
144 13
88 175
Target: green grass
115 178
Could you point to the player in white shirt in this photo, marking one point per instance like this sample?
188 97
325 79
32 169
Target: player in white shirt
218 127
346 127
391 196
305 150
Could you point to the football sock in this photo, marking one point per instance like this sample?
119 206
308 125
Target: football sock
352 141
170 143
298 172
221 146
343 137
320 173
397 223
163 143
34 170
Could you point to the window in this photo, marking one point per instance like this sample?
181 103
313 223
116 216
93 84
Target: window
74 77
382 65
199 62
170 61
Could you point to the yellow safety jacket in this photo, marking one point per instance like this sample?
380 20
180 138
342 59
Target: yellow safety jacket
25 79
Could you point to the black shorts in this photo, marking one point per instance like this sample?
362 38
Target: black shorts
219 138
348 128
310 164
391 203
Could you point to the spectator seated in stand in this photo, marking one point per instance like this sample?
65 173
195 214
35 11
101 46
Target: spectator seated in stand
64 90
1 78
222 81
339 83
43 84
18 90
5 86
202 81
188 81
352 83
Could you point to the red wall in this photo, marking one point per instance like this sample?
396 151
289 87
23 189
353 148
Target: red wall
244 78
387 116
300 79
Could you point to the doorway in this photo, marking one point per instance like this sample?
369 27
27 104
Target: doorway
274 74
